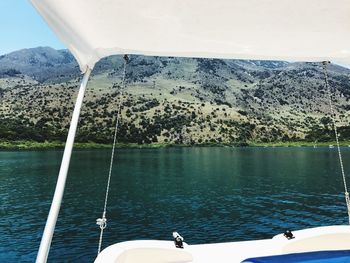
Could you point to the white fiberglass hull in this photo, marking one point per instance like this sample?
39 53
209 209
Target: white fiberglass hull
307 240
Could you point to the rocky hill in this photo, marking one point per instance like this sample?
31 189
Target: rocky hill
171 100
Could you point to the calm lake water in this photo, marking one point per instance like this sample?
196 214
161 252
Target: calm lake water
206 194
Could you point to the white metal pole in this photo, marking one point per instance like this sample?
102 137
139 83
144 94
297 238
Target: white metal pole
62 176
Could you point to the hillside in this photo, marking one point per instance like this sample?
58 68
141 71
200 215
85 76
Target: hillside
171 100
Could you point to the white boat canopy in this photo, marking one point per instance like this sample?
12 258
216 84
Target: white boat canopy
292 30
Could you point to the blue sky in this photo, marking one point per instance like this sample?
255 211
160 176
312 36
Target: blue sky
22 27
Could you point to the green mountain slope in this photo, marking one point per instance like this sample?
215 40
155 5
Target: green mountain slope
172 100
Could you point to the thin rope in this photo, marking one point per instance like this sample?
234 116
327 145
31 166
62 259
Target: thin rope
325 63
102 222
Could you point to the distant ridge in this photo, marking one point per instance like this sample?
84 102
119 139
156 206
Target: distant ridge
41 63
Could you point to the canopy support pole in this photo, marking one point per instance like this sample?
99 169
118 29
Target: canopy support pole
62 176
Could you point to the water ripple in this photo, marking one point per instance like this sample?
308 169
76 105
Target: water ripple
207 194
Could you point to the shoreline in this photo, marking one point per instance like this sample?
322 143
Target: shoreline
33 145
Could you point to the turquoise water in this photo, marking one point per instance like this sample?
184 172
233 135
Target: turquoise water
206 194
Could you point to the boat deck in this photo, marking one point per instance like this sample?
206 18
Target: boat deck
330 238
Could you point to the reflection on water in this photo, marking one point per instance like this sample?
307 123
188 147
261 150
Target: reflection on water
206 194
